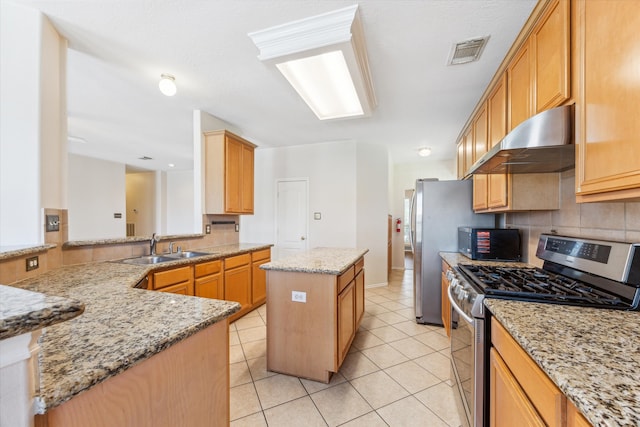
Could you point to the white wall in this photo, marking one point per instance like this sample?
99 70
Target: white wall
32 131
179 207
347 185
140 201
96 191
404 178
372 204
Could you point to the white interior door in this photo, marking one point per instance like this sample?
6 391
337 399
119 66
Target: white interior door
291 216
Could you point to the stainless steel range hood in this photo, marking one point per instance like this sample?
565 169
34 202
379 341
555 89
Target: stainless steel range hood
543 143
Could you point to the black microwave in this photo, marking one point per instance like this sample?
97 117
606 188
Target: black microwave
491 244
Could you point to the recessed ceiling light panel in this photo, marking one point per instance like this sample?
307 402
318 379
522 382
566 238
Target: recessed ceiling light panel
324 58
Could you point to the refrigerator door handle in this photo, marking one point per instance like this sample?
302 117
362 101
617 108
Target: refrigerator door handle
412 225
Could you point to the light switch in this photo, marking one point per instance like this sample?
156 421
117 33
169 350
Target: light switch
317 215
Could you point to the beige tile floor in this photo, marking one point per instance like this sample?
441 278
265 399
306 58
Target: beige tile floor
397 372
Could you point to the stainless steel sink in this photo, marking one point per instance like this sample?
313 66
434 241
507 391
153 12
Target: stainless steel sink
148 259
187 254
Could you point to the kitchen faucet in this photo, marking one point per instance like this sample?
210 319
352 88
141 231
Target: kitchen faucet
154 240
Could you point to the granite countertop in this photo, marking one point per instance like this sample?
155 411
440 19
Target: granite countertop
455 258
120 326
24 311
592 355
7 252
318 261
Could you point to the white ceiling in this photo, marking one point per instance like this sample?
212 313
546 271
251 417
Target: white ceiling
119 49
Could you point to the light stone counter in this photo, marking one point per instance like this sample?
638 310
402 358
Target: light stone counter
24 311
318 260
592 355
120 326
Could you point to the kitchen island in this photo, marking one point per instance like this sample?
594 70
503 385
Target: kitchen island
315 302
134 357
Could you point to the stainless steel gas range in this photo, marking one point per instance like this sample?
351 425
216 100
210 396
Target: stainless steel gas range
576 271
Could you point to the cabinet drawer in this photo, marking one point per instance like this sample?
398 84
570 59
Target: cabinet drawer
171 277
543 393
237 261
207 268
260 255
359 265
345 278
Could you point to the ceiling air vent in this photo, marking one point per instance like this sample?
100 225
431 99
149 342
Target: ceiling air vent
467 51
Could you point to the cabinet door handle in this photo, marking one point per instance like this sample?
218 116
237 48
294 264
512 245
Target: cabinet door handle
302 238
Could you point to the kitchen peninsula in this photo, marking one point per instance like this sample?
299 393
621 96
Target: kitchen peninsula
103 367
315 302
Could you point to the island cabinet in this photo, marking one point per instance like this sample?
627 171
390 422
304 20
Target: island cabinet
175 280
228 173
313 319
520 392
607 128
186 384
237 283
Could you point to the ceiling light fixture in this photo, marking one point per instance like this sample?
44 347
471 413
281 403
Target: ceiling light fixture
167 85
424 151
324 58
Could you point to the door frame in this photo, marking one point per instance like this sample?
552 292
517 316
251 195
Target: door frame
306 207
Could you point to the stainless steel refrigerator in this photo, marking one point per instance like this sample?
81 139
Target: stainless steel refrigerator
438 208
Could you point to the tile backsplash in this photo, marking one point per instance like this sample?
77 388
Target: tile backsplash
607 220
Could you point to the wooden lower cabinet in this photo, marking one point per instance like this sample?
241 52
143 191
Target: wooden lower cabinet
346 320
209 280
259 276
575 418
310 335
359 294
237 278
237 283
186 384
520 392
176 280
509 405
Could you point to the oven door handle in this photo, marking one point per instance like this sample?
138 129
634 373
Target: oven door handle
456 308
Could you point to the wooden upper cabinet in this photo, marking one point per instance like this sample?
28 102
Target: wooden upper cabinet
228 174
497 129
550 54
467 140
479 149
608 107
460 159
519 84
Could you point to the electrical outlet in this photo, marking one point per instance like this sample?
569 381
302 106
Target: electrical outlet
207 229
237 227
53 222
32 263
298 296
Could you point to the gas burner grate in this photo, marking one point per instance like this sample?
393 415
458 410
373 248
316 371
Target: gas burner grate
535 284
